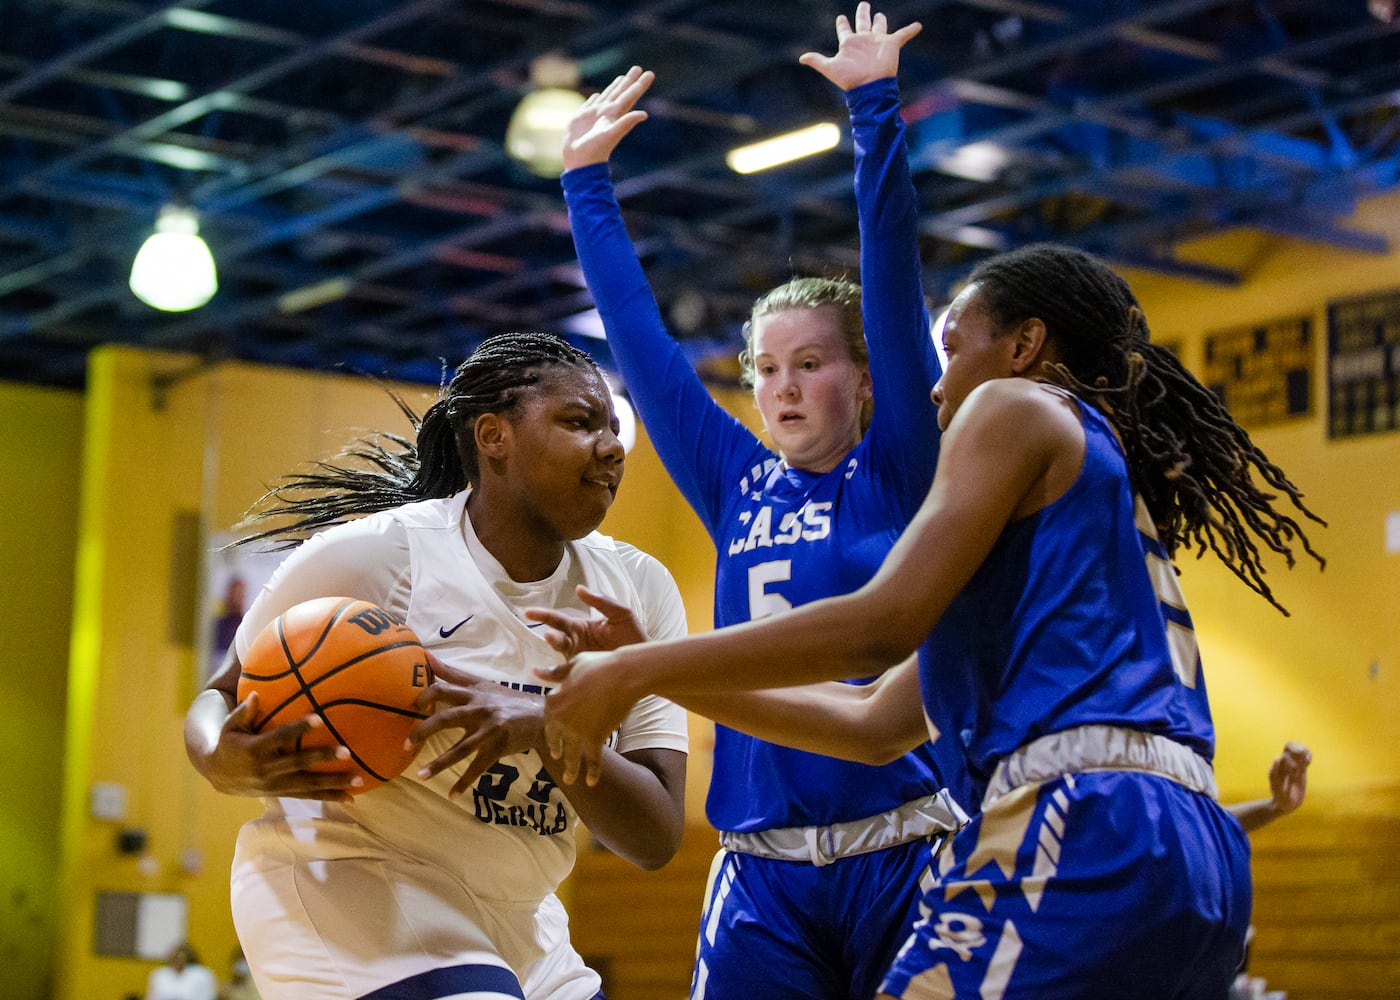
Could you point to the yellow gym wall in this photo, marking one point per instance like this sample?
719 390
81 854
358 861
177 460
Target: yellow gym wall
39 452
1329 675
164 436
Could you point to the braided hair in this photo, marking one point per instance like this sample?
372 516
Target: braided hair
385 470
1193 465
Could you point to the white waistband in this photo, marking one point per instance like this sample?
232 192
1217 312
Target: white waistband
821 845
1100 748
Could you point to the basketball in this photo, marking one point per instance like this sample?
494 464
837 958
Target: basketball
353 664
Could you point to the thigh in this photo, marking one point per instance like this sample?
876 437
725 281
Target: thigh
1102 884
561 974
356 926
785 930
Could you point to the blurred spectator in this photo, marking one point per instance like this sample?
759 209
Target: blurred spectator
182 978
240 985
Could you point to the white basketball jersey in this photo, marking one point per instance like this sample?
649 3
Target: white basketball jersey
510 840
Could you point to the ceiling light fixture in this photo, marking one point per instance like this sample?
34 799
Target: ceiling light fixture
535 134
783 148
174 270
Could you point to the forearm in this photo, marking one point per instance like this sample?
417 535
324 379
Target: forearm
1254 814
827 640
203 722
903 364
694 436
636 812
833 719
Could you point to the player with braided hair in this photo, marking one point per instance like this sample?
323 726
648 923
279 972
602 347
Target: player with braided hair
441 883
439 462
1183 447
1055 650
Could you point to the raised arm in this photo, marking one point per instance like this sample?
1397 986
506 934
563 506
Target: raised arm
903 364
702 446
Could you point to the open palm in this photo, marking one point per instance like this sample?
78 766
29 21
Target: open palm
605 118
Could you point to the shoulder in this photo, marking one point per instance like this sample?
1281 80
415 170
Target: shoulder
1031 410
639 565
368 539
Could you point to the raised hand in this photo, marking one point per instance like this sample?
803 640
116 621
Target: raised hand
1288 777
605 118
272 762
582 712
572 633
869 51
496 721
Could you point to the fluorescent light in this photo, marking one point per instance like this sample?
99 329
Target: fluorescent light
783 148
311 296
174 270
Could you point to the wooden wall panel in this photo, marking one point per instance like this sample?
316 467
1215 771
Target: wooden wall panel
1327 899
638 928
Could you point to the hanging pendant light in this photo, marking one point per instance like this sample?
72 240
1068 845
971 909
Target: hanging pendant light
174 270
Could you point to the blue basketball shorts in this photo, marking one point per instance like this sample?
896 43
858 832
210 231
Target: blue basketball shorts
791 930
1100 884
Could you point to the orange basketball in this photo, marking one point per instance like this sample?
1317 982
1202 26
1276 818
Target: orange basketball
353 664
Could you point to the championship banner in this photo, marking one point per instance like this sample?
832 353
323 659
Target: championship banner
1263 372
1363 364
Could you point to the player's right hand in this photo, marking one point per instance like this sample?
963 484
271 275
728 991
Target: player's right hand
605 119
273 762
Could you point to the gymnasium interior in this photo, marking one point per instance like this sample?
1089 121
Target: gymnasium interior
375 204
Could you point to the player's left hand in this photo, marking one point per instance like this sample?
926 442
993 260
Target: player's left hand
867 52
571 634
496 721
1288 777
582 712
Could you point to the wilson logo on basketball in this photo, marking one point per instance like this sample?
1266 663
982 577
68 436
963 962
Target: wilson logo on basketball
373 620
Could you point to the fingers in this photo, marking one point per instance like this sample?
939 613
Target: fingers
557 673
907 32
486 756
453 675
594 759
1298 751
612 610
452 756
243 713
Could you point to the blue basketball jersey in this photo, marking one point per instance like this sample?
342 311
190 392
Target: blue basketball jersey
785 537
1075 618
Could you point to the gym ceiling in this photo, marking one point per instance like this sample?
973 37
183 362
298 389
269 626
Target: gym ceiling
346 158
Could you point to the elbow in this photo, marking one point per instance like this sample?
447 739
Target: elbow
885 748
880 754
654 852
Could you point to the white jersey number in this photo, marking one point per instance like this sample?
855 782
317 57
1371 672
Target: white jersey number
762 601
1181 639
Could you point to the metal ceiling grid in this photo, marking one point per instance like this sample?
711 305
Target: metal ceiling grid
346 156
